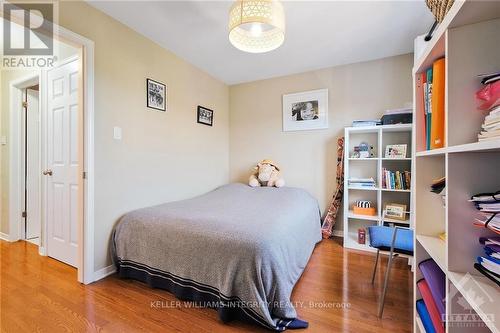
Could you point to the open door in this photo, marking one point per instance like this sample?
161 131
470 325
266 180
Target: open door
63 162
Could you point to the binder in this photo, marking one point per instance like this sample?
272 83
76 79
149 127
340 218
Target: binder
420 101
425 291
425 317
428 103
436 281
438 89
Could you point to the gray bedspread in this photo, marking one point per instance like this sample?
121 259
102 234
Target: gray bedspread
237 242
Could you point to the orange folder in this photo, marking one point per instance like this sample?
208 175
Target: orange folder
438 87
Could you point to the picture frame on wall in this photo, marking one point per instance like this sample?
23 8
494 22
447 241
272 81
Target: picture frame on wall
156 93
306 110
205 116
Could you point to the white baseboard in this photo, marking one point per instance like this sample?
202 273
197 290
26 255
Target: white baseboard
5 237
42 251
103 272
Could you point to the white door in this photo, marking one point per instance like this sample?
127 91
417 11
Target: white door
33 200
63 163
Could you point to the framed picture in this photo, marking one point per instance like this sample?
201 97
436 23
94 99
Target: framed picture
156 95
305 111
205 116
395 151
395 211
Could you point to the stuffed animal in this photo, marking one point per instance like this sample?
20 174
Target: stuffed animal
267 173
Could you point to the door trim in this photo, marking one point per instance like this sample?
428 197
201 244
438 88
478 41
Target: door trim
86 222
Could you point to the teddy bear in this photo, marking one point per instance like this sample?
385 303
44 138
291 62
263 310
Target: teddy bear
266 173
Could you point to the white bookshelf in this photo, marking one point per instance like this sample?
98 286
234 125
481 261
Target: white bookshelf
469 38
378 137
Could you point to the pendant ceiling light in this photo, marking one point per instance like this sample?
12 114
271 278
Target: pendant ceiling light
256 26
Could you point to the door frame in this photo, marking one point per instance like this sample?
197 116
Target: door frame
85 265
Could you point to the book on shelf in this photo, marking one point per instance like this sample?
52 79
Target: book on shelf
488 205
489 263
438 185
438 90
489 98
396 180
365 123
489 77
361 182
430 99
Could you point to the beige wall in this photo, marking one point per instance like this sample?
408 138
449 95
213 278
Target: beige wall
163 156
308 158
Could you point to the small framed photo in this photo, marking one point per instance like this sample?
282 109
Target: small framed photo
205 116
395 151
395 211
156 95
305 111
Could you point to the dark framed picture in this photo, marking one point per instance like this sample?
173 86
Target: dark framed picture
156 95
205 116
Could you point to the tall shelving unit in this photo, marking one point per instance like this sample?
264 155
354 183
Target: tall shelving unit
378 137
469 39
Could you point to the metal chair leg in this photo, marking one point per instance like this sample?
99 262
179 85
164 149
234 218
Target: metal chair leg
375 268
387 273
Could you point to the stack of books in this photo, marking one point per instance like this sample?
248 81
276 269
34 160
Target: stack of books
438 185
488 205
489 97
361 182
489 263
491 126
396 180
431 89
364 123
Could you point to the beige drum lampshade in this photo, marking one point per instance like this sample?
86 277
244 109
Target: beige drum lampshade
256 26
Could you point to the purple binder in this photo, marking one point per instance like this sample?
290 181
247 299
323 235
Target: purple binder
435 278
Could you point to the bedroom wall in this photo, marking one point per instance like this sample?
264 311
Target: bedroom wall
308 158
162 156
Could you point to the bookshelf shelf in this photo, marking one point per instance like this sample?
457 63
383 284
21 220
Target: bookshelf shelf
434 152
436 248
420 325
396 159
358 188
464 39
363 159
394 190
351 215
474 289
483 146
378 137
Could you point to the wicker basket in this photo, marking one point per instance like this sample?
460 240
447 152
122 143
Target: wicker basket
439 8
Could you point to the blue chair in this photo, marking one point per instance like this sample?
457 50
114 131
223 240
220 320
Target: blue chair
394 240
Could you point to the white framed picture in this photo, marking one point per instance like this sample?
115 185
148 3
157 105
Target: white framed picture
395 151
306 110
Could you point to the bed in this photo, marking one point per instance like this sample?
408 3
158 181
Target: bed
238 249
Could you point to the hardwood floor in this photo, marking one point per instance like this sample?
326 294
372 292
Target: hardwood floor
41 294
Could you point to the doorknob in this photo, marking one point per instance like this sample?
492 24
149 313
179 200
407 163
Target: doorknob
47 172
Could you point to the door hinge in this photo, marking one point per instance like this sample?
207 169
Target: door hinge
25 104
84 175
23 215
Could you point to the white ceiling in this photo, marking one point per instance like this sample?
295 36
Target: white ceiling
318 34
